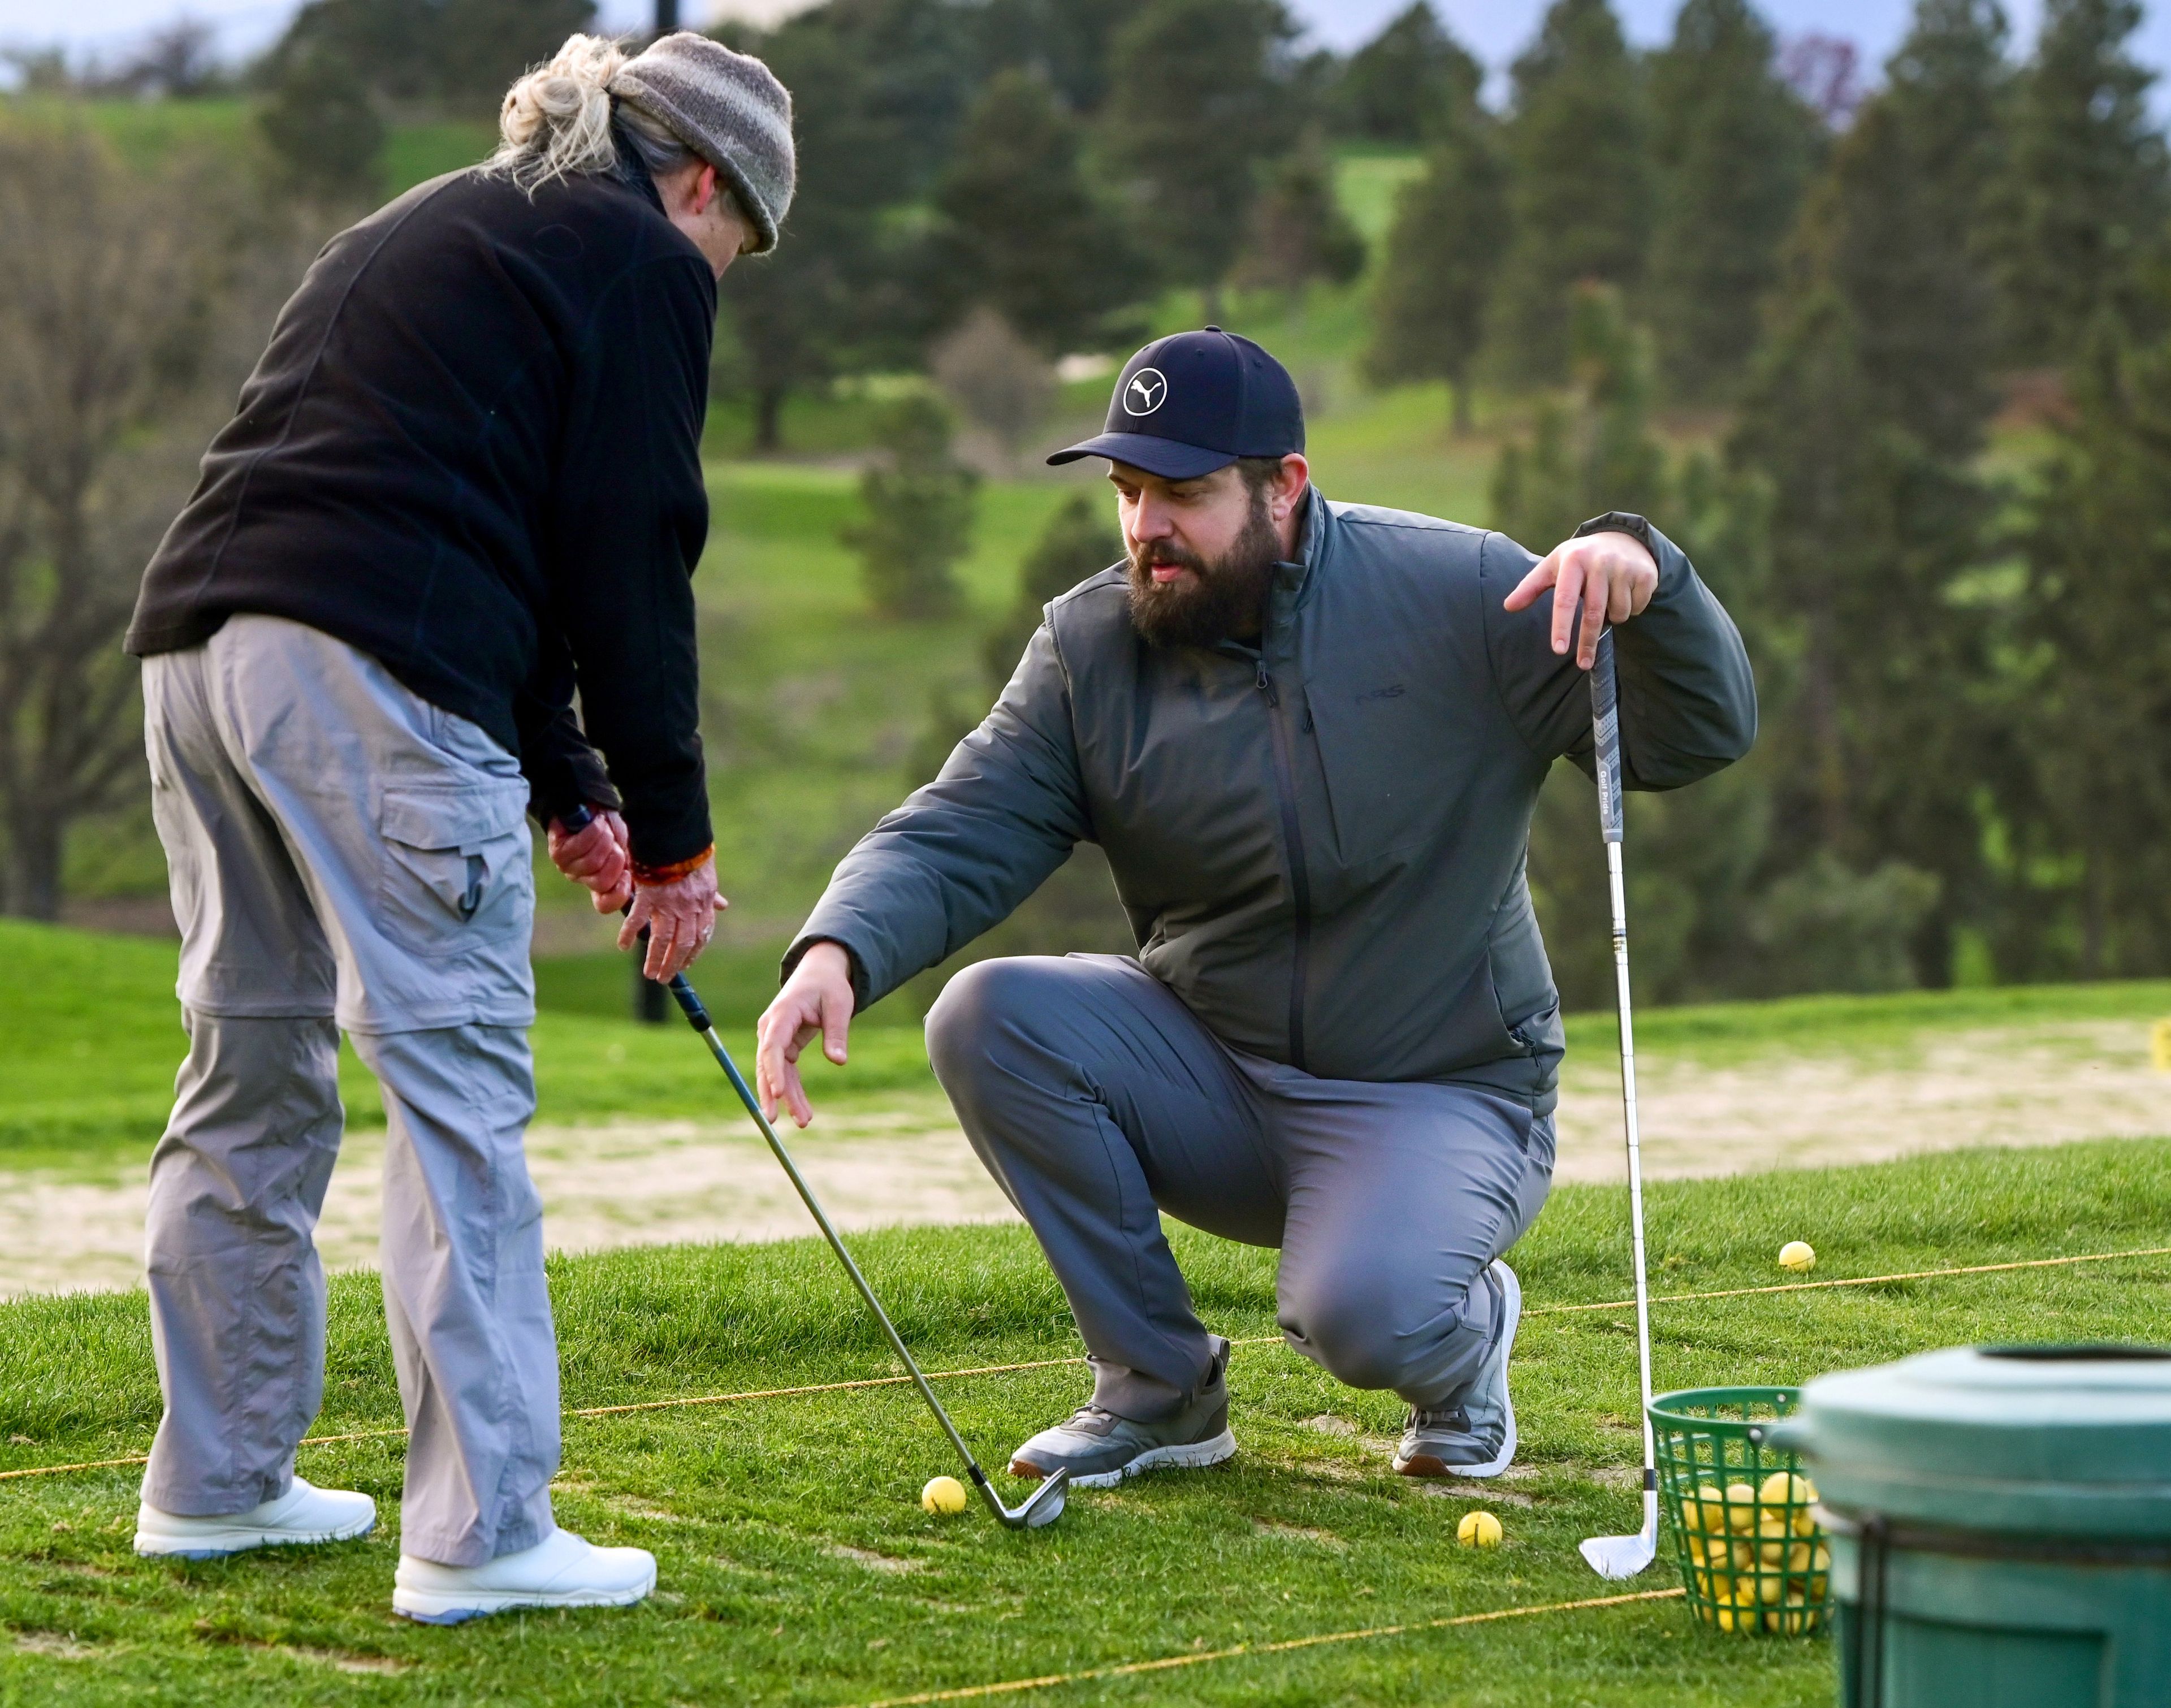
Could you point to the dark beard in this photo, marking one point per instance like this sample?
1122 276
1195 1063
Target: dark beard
1227 602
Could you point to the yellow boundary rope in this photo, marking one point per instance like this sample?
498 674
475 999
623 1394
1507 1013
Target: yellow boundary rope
1857 1280
46 1470
1167 1663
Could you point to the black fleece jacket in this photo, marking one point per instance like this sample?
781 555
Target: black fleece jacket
472 450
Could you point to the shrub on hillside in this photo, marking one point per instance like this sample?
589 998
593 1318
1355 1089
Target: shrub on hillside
919 509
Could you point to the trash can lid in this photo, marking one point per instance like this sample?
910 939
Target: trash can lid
2032 1440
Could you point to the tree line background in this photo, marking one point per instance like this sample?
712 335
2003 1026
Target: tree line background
1887 349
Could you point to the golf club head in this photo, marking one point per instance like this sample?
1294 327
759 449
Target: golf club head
1618 1557
1043 1506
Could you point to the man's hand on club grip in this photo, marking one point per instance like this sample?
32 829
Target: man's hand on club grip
817 1001
1609 576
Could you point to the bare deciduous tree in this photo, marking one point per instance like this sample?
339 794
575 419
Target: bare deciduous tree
109 281
1003 384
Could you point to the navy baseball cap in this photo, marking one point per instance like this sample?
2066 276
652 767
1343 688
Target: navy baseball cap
1188 405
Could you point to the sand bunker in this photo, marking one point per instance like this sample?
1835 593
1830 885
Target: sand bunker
904 1160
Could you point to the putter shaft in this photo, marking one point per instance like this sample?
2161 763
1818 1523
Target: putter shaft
1605 729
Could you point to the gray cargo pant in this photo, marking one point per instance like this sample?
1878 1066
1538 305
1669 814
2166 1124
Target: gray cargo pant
1097 1101
344 855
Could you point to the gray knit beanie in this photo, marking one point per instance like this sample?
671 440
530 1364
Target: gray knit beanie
728 108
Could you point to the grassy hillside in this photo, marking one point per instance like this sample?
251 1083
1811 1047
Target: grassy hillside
797 1567
148 133
90 1037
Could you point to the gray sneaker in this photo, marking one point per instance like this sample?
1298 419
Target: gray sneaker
1100 1449
1477 1438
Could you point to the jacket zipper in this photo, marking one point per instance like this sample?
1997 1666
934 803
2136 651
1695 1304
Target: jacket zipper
1300 875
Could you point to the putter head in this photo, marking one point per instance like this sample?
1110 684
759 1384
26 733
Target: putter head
1618 1557
1043 1506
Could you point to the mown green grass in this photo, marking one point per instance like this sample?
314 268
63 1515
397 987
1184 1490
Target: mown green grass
751 1507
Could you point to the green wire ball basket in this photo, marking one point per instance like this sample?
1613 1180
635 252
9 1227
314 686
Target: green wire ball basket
1753 1557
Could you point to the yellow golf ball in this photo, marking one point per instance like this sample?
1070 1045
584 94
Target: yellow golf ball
1797 1256
1478 1530
943 1495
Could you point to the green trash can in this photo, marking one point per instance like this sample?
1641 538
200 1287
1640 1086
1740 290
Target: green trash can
2000 1525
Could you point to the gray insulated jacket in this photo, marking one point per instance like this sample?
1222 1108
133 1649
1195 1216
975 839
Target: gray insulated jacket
1319 842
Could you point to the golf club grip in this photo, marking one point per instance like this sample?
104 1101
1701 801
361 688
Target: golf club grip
689 1004
572 822
1605 728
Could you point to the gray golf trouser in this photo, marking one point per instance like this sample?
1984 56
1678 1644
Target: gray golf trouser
1097 1101
344 854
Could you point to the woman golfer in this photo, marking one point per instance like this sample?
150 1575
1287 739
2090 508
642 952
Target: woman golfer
463 482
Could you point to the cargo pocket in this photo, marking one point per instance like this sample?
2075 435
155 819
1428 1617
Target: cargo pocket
457 872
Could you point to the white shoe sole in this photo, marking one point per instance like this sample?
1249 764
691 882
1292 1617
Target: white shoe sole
1196 1456
217 1544
1493 1467
457 1606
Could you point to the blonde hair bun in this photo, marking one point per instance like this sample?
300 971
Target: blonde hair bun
555 121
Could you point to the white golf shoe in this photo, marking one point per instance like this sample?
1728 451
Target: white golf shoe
560 1571
301 1516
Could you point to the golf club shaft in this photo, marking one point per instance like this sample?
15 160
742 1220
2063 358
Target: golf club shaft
690 1005
1605 724
697 1015
698 1019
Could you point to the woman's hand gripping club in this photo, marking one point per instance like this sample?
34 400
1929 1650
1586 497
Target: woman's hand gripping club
679 917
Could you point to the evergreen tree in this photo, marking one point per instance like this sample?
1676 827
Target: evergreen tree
1692 887
482 45
460 53
384 46
2084 201
1943 114
1950 86
1023 231
1596 454
1068 42
919 504
1882 738
324 128
1079 542
1444 253
1876 230
1732 145
1300 232
2098 725
1410 82
1579 146
1197 105
878 88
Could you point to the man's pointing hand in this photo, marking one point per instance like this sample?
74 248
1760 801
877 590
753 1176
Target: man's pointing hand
1612 574
816 1001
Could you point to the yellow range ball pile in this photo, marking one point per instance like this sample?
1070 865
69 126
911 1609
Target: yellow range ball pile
1796 1258
1478 1530
1758 1557
943 1495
